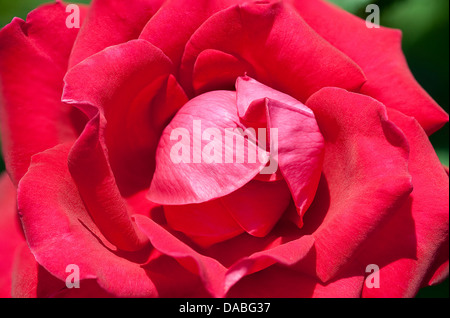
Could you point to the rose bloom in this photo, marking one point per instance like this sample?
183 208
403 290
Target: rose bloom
94 205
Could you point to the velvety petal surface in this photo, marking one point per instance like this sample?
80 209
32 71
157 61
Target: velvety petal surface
277 282
254 32
110 23
11 236
60 231
218 278
189 14
379 53
427 233
33 60
123 90
365 177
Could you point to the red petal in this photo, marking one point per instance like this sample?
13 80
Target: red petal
33 60
61 232
214 70
378 52
426 234
286 254
365 176
205 223
276 282
32 281
192 13
255 32
121 131
258 206
208 269
131 84
110 23
11 236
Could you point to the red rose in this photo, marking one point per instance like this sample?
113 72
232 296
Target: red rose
115 141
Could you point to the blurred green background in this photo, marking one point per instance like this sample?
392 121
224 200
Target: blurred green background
425 26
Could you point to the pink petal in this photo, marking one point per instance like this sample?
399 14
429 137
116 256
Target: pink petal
300 143
258 206
255 208
378 52
172 182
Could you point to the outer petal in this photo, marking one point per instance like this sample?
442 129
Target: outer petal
284 52
30 280
124 86
428 236
110 23
132 86
365 176
11 236
378 52
276 282
60 231
33 60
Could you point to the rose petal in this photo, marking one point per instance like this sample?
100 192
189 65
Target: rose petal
365 176
205 223
378 52
209 270
110 23
120 139
258 206
61 232
255 208
428 209
32 281
131 84
286 254
214 70
299 142
10 233
172 182
255 32
276 282
33 60
191 14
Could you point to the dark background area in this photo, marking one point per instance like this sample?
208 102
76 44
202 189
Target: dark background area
425 26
